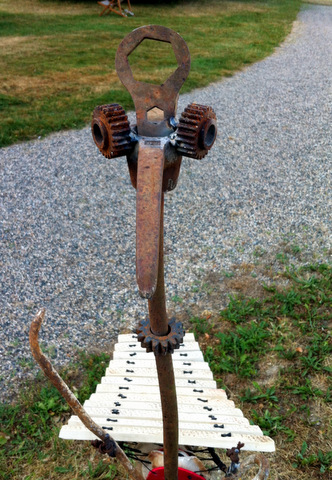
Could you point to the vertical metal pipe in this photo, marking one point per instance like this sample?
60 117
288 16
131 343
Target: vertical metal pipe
159 326
169 408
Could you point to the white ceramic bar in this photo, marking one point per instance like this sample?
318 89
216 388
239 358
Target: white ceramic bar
177 355
154 390
155 398
204 417
199 401
223 407
239 428
150 363
186 437
181 382
135 347
190 372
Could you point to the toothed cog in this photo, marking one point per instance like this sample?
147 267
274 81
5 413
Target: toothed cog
111 130
163 344
197 130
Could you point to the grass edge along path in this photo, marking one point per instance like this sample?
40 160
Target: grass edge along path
287 328
57 66
273 356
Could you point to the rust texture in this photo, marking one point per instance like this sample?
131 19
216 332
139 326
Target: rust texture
170 414
111 130
197 131
157 327
157 303
154 150
148 218
148 96
160 344
72 401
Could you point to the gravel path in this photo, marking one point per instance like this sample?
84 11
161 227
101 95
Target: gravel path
68 214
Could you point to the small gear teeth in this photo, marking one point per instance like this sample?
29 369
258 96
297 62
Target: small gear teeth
160 345
194 123
111 130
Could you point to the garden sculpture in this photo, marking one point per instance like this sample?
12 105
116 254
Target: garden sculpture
154 148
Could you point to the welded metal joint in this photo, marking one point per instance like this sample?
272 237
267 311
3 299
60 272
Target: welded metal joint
154 148
155 145
158 344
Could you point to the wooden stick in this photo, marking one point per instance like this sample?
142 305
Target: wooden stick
70 398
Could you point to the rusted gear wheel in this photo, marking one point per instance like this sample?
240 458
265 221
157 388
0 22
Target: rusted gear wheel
196 131
160 345
111 130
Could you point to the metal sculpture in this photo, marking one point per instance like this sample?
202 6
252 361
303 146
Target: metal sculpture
154 149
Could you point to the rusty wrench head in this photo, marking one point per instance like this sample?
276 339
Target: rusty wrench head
154 148
151 161
147 96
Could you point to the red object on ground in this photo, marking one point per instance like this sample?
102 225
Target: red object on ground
158 474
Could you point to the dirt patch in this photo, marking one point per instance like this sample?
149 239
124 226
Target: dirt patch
74 79
320 2
270 368
47 8
244 282
195 10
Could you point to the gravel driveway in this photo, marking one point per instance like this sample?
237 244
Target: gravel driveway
68 214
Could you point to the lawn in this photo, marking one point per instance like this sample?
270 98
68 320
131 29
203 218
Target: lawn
57 57
271 353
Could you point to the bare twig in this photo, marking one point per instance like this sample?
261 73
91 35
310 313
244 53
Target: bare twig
70 398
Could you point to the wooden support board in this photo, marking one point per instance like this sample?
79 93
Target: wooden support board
127 402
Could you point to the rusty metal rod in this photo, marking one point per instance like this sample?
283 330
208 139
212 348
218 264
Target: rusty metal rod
70 398
150 171
157 304
170 415
169 406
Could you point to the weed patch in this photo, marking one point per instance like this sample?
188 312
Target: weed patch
273 354
29 430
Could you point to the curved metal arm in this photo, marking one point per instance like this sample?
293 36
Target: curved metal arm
70 398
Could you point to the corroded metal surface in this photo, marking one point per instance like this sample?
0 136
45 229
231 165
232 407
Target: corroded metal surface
154 166
169 408
196 131
160 344
111 131
148 218
147 96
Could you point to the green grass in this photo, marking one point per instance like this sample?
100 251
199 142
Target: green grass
57 58
287 327
29 440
